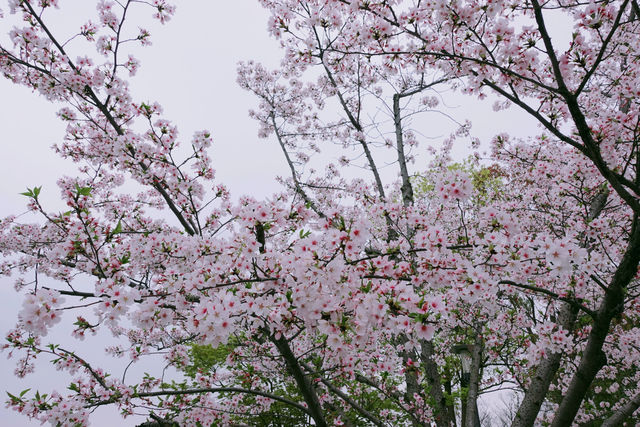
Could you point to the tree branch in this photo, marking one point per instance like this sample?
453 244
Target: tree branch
305 386
571 301
605 43
114 124
593 358
216 390
406 189
335 390
545 371
294 174
621 414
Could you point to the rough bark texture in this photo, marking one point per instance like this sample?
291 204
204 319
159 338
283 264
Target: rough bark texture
472 396
441 413
545 372
593 358
626 411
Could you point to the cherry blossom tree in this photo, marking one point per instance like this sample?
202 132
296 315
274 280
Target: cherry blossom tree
341 300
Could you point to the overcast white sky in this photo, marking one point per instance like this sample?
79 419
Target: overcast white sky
190 71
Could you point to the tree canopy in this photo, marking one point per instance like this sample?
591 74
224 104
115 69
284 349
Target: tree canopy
346 298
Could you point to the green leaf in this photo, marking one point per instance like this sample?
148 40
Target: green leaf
32 192
117 230
304 234
83 191
14 399
28 193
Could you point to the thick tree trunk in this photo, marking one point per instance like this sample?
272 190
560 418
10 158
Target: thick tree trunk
440 409
593 358
472 415
545 372
451 410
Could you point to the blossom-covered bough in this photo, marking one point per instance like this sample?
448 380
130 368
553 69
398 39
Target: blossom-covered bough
340 300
